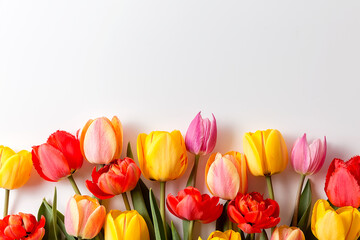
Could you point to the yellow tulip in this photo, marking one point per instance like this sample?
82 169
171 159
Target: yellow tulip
128 225
328 224
228 235
15 168
162 155
266 152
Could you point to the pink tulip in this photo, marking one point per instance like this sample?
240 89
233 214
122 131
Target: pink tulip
101 140
287 233
308 159
226 176
84 217
201 135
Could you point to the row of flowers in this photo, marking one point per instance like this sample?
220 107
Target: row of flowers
162 157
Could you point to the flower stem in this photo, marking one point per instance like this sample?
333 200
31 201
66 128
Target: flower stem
6 202
252 236
192 177
126 201
191 227
73 184
162 205
296 210
270 187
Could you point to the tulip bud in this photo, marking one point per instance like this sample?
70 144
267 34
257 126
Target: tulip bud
287 233
162 155
128 225
328 224
84 216
266 152
308 159
101 140
119 176
201 135
226 175
190 205
59 157
15 168
342 182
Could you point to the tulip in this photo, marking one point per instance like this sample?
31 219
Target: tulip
15 168
201 135
342 182
228 235
119 176
266 154
22 226
287 233
226 175
308 159
162 155
190 205
59 157
84 216
328 224
101 140
252 213
128 225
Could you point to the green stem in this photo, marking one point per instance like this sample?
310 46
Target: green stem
73 184
162 205
6 202
270 187
126 201
296 210
252 236
192 177
191 227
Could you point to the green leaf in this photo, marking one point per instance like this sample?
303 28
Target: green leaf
53 222
140 206
158 225
220 222
129 152
174 232
60 221
263 235
305 207
186 226
43 211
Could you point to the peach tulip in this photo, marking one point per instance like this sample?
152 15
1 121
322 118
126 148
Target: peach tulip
226 176
287 233
84 216
101 140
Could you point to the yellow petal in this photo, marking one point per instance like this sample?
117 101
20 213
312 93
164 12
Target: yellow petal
351 220
232 235
254 153
276 152
110 228
140 153
137 229
5 154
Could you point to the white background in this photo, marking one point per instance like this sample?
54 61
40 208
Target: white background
289 65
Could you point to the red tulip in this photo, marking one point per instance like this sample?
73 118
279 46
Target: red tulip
252 213
342 185
59 157
119 176
190 205
22 226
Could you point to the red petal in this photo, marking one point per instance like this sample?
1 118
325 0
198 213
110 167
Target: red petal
15 231
94 189
29 221
171 203
36 163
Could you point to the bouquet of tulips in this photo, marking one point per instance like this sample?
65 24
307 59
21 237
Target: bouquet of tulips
162 157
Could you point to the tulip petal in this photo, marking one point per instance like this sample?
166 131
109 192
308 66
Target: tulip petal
117 127
94 223
318 154
82 136
194 137
253 150
94 189
110 229
72 218
350 218
223 179
276 152
300 155
141 155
